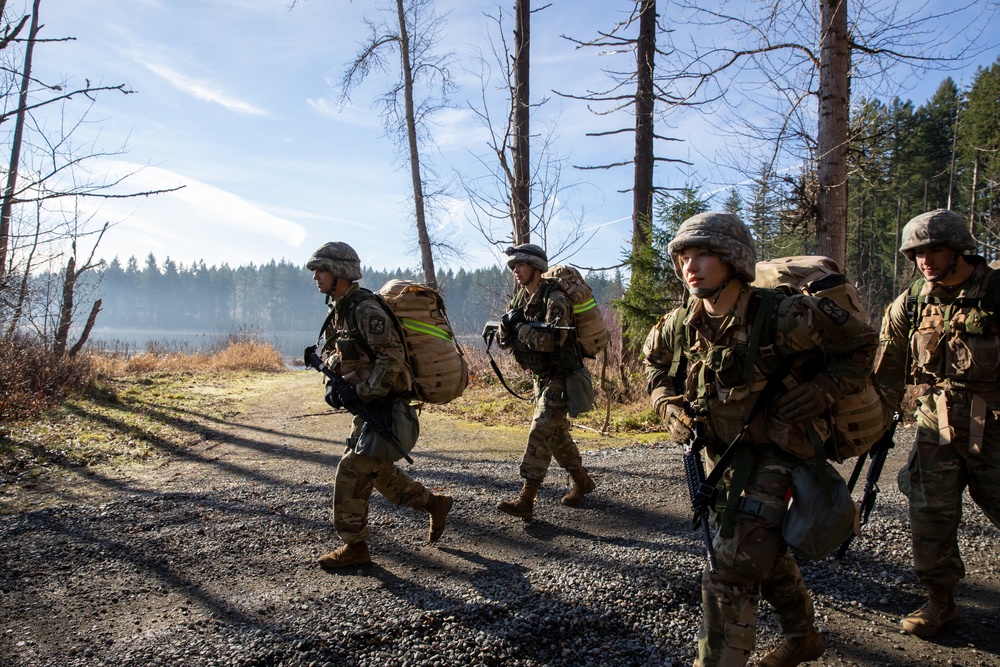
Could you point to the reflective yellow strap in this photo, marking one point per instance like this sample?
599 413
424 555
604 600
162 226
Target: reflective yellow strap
584 307
424 328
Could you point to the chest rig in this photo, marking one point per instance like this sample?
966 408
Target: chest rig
956 338
565 358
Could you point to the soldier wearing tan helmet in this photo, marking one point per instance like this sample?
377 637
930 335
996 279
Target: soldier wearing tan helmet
550 356
697 378
944 331
364 348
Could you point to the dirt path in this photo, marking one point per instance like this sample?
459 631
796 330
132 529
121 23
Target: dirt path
208 558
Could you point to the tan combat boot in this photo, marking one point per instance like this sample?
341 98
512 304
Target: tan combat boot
582 485
349 554
937 614
794 651
523 506
438 506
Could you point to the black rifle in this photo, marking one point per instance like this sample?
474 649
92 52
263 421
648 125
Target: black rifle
877 454
702 495
357 407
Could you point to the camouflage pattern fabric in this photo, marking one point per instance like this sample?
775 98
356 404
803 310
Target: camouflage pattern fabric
721 233
549 434
755 561
956 448
338 258
363 347
357 475
549 356
530 254
941 227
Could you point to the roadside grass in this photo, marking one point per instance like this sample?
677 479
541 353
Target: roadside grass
131 408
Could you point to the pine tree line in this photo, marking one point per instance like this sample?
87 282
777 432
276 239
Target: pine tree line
280 296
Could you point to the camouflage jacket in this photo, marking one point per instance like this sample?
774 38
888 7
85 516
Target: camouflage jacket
948 337
363 346
815 332
545 353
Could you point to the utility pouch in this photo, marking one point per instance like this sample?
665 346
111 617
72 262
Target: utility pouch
821 513
579 392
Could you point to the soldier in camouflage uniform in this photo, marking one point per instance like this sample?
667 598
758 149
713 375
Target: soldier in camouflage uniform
364 348
944 331
550 356
713 254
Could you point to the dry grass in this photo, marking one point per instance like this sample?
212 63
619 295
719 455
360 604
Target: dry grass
240 355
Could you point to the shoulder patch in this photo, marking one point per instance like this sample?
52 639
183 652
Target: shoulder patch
830 308
557 314
376 325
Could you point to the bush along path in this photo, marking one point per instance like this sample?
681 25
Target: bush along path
207 557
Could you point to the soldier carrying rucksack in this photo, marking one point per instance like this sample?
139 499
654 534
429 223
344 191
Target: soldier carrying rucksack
723 392
539 328
364 348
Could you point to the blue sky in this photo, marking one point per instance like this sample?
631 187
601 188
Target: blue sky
237 101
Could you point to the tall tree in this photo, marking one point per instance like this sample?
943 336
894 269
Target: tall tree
521 110
415 35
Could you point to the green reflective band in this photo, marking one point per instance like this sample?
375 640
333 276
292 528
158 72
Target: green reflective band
584 307
424 328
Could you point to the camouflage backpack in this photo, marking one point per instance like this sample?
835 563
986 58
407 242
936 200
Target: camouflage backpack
859 418
436 361
591 331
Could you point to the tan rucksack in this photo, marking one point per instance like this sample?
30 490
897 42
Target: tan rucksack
440 371
591 331
859 418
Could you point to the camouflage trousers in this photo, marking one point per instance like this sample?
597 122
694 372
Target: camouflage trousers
754 563
934 479
357 475
549 434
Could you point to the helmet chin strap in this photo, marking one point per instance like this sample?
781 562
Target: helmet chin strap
709 292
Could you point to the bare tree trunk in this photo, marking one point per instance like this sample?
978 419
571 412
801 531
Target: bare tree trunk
96 308
645 103
975 199
65 309
7 206
520 146
832 135
423 238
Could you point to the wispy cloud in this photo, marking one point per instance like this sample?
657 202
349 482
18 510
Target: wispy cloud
205 91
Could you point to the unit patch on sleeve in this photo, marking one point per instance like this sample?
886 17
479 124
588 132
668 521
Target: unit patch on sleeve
833 311
557 314
376 325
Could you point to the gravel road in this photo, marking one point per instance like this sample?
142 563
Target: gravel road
208 558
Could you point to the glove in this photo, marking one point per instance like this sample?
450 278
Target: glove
803 402
348 396
669 408
332 398
306 357
510 322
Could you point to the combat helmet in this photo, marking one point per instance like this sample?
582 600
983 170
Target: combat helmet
721 233
530 254
941 228
338 258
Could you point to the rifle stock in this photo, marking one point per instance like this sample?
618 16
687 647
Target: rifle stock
358 409
700 493
878 453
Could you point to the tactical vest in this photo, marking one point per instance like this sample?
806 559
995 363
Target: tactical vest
956 338
564 359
